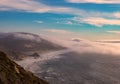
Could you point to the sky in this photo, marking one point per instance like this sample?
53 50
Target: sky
89 19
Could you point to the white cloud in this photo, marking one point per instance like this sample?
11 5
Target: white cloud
38 7
117 14
69 23
98 18
97 21
101 21
95 1
57 31
27 37
87 46
24 5
34 6
65 22
115 32
38 21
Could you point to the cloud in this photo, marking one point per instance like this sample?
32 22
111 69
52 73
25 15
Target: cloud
115 32
97 21
38 21
101 21
24 5
26 37
69 23
38 7
109 41
117 14
4 9
65 22
86 46
58 31
95 1
90 17
34 6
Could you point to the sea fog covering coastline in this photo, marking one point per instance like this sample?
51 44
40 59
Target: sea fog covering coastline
81 45
84 61
77 61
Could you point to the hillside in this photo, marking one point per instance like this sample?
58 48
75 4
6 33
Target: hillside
11 73
19 45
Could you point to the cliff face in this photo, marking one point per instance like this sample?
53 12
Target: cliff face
11 73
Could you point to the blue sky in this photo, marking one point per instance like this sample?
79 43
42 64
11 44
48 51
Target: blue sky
98 19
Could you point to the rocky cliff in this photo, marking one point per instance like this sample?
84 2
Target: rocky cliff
12 73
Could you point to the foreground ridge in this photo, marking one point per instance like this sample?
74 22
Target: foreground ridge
12 73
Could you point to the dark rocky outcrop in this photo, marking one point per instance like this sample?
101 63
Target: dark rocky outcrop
12 73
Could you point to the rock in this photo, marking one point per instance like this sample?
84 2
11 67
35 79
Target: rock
12 73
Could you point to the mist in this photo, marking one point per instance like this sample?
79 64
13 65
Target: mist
81 45
82 61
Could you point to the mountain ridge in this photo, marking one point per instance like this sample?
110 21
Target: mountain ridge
19 45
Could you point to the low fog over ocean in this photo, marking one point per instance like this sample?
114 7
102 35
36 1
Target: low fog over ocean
84 61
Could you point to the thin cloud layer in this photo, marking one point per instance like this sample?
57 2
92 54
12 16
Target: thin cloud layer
114 32
117 14
96 21
101 21
90 17
26 37
57 31
34 6
24 5
38 7
86 46
95 1
38 21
